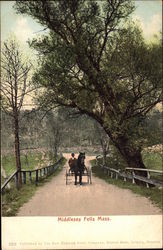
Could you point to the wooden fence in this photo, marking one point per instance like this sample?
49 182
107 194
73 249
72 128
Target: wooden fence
130 174
32 174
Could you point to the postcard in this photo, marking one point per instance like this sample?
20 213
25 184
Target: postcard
81 124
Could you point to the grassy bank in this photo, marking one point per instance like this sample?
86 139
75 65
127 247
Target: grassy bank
13 199
154 194
29 162
152 160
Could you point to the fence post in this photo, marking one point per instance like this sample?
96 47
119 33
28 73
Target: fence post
90 177
17 180
30 176
148 177
147 185
133 180
36 176
24 177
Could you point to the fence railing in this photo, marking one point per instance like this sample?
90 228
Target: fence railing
129 173
14 176
34 174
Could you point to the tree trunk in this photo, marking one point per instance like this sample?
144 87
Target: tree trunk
55 151
104 150
131 154
104 156
17 150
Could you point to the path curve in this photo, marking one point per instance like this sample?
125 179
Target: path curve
100 198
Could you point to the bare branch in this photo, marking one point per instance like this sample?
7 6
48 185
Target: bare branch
22 94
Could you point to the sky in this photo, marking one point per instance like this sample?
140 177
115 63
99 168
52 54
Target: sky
148 13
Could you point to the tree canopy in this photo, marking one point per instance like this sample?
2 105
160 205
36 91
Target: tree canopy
95 60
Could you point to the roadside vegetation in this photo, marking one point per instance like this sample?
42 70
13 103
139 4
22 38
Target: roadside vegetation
13 199
30 162
152 160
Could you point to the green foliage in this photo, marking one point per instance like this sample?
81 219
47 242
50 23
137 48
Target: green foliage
61 128
152 128
8 162
153 160
9 165
114 159
13 199
75 47
95 60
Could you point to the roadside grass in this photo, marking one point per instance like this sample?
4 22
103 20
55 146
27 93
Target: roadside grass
13 199
153 160
8 162
30 162
153 193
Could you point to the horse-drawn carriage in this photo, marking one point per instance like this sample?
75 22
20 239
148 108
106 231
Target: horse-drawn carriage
78 169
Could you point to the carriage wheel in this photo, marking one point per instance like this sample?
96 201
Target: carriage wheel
87 174
90 176
87 177
66 177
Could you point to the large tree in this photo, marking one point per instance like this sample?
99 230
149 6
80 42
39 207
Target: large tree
14 86
95 61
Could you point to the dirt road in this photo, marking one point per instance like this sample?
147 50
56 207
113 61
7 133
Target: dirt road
100 198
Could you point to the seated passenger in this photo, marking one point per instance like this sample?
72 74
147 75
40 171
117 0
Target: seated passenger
71 161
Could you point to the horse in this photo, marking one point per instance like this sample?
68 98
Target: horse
78 167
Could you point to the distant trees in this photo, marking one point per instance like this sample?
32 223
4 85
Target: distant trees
39 131
53 131
78 132
152 128
14 86
96 62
